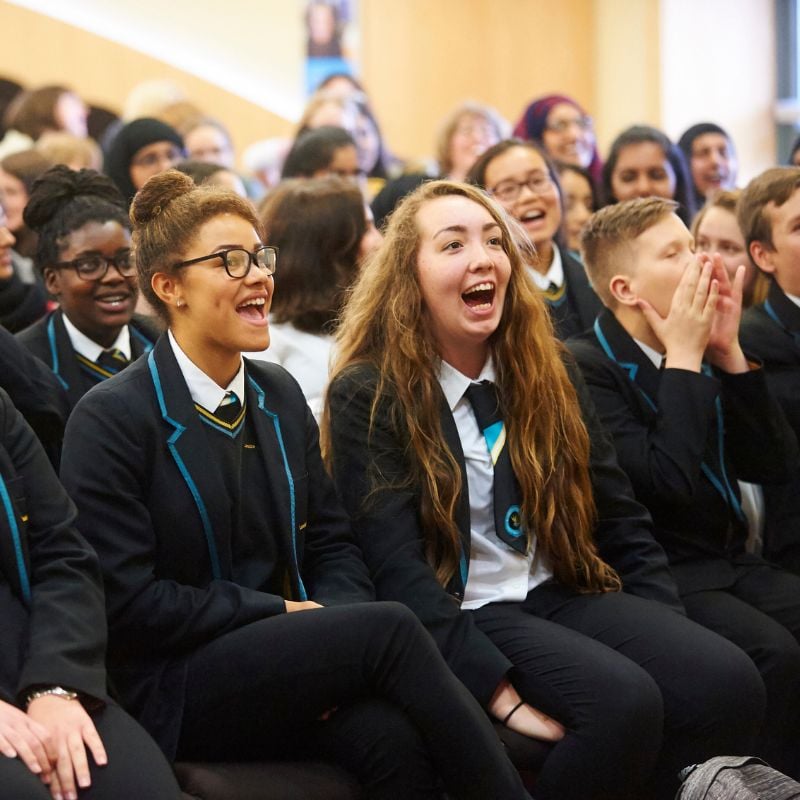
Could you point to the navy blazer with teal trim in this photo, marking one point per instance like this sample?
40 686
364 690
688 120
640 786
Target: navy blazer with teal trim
53 620
49 341
369 453
771 331
579 305
151 499
663 424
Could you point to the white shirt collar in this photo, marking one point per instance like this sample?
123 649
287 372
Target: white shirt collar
553 275
204 390
89 348
793 298
454 383
651 353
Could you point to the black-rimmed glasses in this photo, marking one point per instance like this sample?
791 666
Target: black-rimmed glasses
94 267
237 261
509 190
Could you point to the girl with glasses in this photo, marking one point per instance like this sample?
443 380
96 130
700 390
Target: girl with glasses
522 179
237 627
84 256
486 497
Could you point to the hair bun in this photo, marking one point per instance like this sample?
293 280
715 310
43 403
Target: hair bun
159 191
59 186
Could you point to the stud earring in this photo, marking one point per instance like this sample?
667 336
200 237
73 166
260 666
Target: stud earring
180 303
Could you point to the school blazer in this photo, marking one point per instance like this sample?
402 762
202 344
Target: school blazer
387 523
771 331
576 310
49 341
51 598
35 392
664 425
152 501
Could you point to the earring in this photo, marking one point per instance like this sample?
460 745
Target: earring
180 303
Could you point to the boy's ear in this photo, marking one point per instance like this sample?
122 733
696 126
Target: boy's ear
621 291
762 256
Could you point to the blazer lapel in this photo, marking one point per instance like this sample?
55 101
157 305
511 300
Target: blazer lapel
187 443
453 441
281 480
62 358
620 347
586 302
13 544
783 312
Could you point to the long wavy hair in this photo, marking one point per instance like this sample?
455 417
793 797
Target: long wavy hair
385 324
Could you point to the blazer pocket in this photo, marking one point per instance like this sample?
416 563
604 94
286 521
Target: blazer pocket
300 503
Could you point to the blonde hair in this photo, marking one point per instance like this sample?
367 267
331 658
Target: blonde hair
467 110
385 324
608 235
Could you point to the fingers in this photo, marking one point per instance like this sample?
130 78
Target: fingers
71 762
26 741
92 739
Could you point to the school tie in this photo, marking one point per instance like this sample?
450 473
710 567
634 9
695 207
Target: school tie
507 518
229 409
112 360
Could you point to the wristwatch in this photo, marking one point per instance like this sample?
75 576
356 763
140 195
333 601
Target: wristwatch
46 691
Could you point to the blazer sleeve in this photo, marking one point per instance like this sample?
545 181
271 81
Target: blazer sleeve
66 624
759 438
105 467
660 451
387 525
333 567
623 532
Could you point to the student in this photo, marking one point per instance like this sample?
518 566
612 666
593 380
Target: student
323 232
580 202
524 182
198 479
140 149
60 734
84 255
716 230
527 610
643 162
327 150
768 212
711 157
689 414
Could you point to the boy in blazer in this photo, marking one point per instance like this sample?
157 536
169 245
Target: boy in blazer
689 414
769 211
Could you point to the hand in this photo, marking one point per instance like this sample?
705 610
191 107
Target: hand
23 737
724 350
71 732
300 605
526 720
686 329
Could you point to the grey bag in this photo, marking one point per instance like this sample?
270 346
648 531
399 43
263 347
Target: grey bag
735 778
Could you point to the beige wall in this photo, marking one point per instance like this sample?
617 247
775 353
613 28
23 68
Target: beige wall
666 62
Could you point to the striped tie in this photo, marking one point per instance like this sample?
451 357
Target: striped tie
112 360
507 518
229 409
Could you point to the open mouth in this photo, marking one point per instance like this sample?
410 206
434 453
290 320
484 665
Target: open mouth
114 302
479 297
253 309
532 216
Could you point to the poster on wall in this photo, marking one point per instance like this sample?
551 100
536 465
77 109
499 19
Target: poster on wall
332 39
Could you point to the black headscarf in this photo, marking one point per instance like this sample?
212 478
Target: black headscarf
128 142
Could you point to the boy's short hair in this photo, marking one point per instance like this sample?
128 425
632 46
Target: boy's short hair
609 234
775 185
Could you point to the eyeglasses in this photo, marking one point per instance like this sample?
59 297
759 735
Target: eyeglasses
237 261
509 190
563 125
95 267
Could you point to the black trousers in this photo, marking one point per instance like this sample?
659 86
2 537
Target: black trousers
642 690
401 721
760 612
136 767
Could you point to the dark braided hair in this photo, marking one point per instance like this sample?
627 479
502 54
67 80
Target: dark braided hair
62 201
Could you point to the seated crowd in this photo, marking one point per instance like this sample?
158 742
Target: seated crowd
515 431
